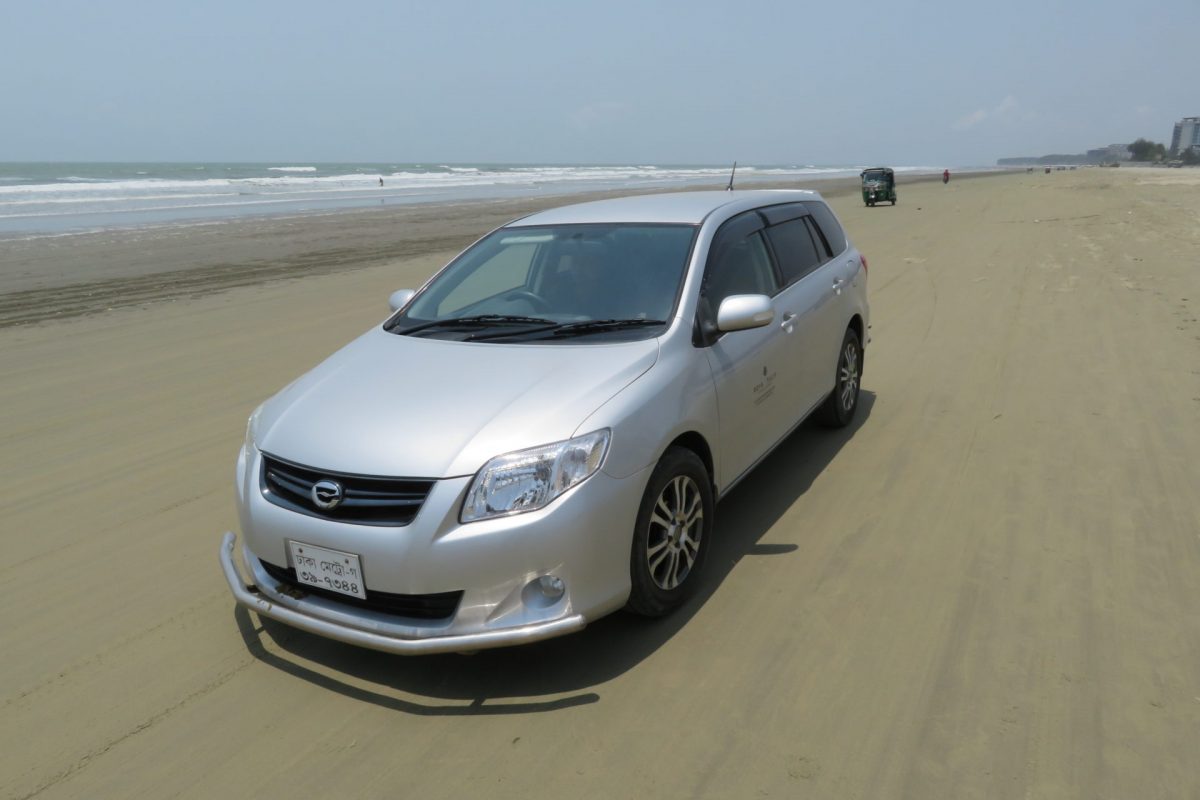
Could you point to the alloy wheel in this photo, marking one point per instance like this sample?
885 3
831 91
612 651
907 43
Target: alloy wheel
676 527
848 376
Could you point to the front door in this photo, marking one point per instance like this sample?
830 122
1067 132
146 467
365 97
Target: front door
749 367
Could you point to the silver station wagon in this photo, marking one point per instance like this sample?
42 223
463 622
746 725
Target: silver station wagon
537 436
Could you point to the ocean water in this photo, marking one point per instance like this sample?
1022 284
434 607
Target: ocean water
48 199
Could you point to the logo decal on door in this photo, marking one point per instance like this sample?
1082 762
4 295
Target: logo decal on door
764 388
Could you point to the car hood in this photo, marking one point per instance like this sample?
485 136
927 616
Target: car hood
413 407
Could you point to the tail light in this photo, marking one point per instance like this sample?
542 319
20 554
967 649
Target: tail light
863 259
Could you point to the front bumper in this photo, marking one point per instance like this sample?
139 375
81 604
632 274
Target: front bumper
416 641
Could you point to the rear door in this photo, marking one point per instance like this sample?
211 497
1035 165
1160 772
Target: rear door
843 273
809 301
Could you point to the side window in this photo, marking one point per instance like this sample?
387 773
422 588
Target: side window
742 266
795 249
828 225
823 249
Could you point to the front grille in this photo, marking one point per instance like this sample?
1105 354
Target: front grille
414 606
366 499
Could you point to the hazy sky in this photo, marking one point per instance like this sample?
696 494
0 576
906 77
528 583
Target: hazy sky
790 82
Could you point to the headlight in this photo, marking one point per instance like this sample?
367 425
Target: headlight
529 479
252 430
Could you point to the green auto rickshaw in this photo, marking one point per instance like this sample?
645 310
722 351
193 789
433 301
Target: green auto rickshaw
878 185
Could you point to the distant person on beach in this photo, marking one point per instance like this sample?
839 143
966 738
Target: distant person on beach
381 181
945 176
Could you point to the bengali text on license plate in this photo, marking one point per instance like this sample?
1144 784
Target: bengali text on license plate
328 569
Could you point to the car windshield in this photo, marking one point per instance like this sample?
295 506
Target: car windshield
875 176
555 283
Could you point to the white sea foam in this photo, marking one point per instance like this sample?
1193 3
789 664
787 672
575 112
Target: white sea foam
133 198
454 177
292 169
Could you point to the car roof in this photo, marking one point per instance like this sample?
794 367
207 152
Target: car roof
690 208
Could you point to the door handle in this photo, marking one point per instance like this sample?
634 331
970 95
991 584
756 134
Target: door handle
786 321
838 284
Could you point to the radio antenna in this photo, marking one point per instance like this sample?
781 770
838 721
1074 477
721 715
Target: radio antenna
732 172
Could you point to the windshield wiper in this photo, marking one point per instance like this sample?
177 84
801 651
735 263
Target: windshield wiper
602 325
488 336
568 328
478 320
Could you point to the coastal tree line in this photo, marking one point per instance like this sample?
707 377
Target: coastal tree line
1146 150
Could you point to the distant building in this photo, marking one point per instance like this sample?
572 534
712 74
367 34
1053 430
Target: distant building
1186 135
1104 155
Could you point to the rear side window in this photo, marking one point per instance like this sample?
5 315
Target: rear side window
795 249
828 225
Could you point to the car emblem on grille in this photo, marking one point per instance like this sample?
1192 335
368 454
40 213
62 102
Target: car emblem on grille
326 494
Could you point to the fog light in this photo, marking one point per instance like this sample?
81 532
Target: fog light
543 592
551 586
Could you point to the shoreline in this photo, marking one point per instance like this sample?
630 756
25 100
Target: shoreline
63 277
50 200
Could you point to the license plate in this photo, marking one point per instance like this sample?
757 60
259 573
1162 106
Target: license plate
323 568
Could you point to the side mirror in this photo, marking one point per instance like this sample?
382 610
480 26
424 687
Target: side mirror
400 298
740 312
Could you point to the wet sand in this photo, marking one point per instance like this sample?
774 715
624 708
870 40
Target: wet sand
54 278
988 587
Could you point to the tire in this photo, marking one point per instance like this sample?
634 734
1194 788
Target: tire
838 409
679 492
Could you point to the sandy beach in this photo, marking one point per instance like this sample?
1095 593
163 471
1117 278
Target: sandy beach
988 586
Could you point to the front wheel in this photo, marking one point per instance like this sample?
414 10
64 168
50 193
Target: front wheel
674 524
838 409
